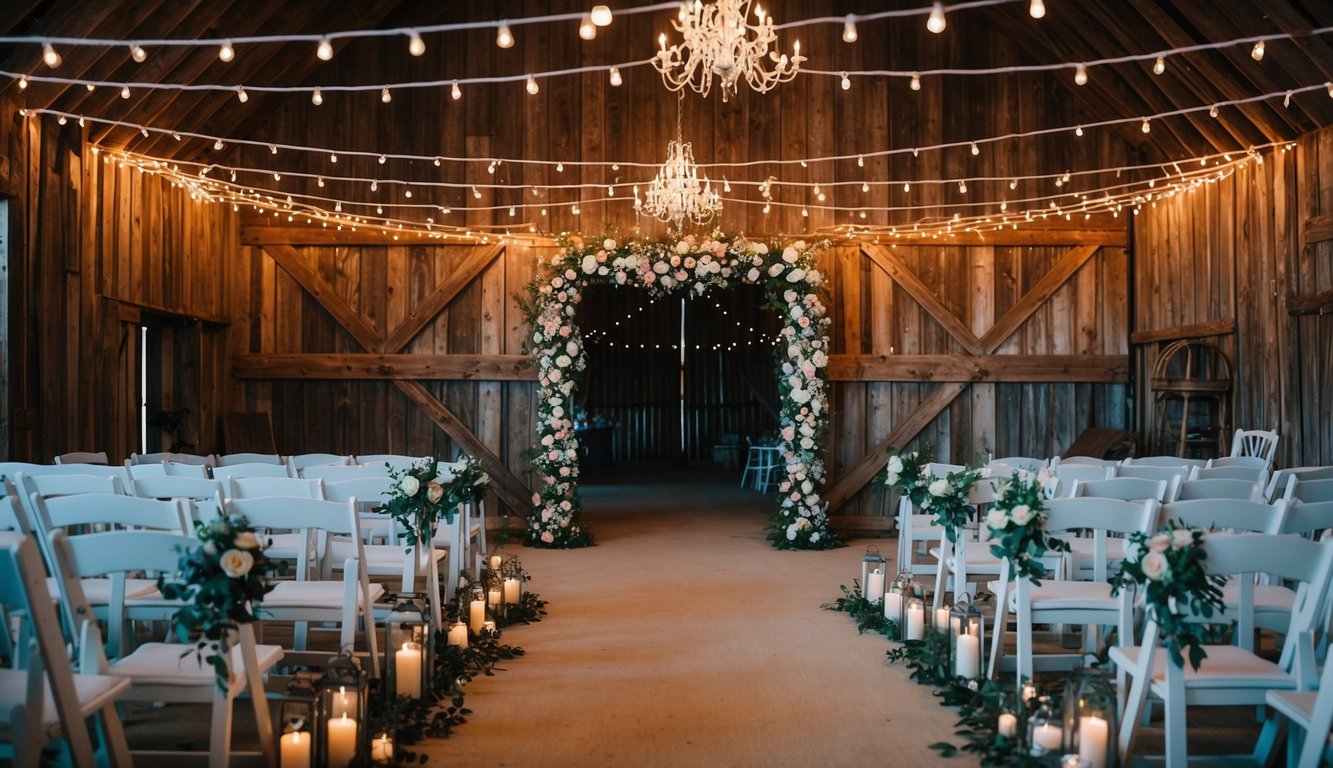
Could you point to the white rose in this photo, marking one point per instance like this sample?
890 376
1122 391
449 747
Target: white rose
895 463
1155 566
819 358
661 267
789 296
236 563
589 264
800 396
775 270
682 247
760 248
409 485
1021 514
790 255
1181 538
791 532
609 244
892 478
571 349
796 275
807 443
563 361
997 518
620 278
940 487
797 313
752 275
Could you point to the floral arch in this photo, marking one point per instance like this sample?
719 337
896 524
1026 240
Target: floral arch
694 267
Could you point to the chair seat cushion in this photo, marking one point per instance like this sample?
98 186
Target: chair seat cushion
93 692
175 664
328 594
1226 667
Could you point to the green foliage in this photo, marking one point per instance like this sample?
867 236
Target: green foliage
419 498
869 617
944 497
1017 526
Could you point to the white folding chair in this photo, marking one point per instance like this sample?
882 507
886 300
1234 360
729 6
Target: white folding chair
82 457
157 671
331 473
251 469
1005 466
395 461
285 543
1220 488
1086 461
170 468
170 457
1279 481
1232 462
918 531
1163 461
1249 474
1310 713
206 493
300 461
1229 675
1172 476
958 562
1066 474
47 700
473 526
1255 442
313 596
231 459
760 461
1299 489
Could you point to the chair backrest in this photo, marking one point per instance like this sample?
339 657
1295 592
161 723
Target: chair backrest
300 461
395 461
251 469
311 516
1252 462
1067 474
1101 516
55 512
1090 461
35 470
1018 462
1255 442
1169 474
257 487
229 459
82 457
333 472
1308 517
1227 514
1163 461
13 515
1123 488
170 457
206 493
66 484
160 468
1280 479
1220 488
1251 474
1308 490
940 469
367 490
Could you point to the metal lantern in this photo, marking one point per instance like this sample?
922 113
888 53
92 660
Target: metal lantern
299 724
341 693
873 566
967 630
1090 717
1046 735
914 616
895 597
514 576
409 645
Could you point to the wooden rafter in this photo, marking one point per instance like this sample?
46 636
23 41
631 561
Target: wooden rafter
979 368
324 365
476 262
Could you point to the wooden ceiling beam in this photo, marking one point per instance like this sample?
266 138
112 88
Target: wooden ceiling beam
1305 52
13 13
63 20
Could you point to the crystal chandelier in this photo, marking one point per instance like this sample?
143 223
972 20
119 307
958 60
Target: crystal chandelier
720 40
676 193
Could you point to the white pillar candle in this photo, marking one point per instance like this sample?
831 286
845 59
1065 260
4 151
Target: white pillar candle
342 741
967 660
1093 733
458 635
893 606
1047 738
941 619
381 749
477 614
511 591
1008 725
494 596
294 749
407 669
875 586
916 623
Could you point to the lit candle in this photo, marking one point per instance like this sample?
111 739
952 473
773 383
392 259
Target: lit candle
381 749
458 635
1093 733
875 586
295 750
1029 690
344 703
477 614
893 606
494 596
941 619
342 741
511 591
1047 738
916 622
1008 726
967 661
488 625
407 669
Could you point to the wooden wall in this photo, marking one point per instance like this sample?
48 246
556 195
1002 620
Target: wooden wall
95 250
1248 263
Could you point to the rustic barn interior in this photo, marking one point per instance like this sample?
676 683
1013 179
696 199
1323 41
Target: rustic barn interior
1019 216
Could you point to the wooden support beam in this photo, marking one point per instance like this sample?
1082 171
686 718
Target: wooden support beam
475 263
886 260
1109 236
347 367
508 488
1197 330
982 368
1034 298
323 293
865 470
1317 229
1314 304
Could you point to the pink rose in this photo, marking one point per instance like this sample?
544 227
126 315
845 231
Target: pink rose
548 537
649 278
675 261
803 321
689 262
434 492
564 331
536 499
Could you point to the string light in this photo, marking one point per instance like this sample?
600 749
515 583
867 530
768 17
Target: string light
456 92
532 86
916 81
226 52
415 45
503 36
385 96
317 98
1078 131
325 50
1159 66
615 77
587 30
125 92
50 56
975 149
241 95
1081 74
1257 52
846 83
849 29
23 82
936 22
138 53
1145 127
1037 9
601 15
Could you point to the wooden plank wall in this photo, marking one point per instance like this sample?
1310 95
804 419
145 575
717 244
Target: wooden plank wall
1233 259
97 248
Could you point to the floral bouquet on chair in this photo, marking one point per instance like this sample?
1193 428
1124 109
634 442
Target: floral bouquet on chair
1169 569
1017 527
225 579
419 499
904 473
946 498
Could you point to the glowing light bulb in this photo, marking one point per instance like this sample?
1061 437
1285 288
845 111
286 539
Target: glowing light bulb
849 34
601 15
846 82
1037 9
936 23
242 95
125 92
385 96
226 52
865 186
138 53
1256 53
1212 111
916 81
317 98
1159 66
50 56
23 82
218 144
975 149
503 37
455 92
415 45
587 30
1078 131
333 157
907 186
383 159
325 50
1145 127
615 77
1081 75
532 86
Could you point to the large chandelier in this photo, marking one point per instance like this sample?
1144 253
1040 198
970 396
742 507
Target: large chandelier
720 40
676 193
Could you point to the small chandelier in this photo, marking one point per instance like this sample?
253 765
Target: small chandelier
676 193
720 40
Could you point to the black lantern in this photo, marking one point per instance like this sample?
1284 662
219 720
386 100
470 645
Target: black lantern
299 725
1090 717
513 577
341 692
409 645
873 566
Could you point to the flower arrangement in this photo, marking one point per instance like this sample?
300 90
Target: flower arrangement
1169 568
903 471
420 497
224 579
1016 523
689 266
